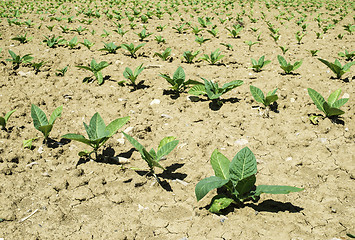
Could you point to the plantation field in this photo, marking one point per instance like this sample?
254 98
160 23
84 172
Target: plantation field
47 191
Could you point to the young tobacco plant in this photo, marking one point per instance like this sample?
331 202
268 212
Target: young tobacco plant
212 90
3 120
164 55
201 40
54 41
153 158
110 47
96 68
336 67
347 55
17 59
143 35
22 38
87 43
258 65
213 58
331 106
61 72
97 132
132 76
259 96
190 55
237 180
234 32
73 42
160 39
288 67
132 49
178 83
40 120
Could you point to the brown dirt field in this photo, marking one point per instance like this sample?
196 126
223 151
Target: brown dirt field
72 198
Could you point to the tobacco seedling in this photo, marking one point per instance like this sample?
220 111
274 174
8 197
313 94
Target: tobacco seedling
237 181
227 45
41 122
96 68
313 52
213 58
336 67
259 96
87 43
160 28
97 132
120 32
180 29
132 76
201 40
190 55
22 38
61 72
196 30
65 29
160 39
3 120
73 42
131 49
347 55
284 49
37 66
213 32
299 36
153 158
164 55
288 67
275 36
250 44
52 42
143 35
110 47
79 30
212 90
105 34
331 106
28 143
258 65
17 59
178 82
234 32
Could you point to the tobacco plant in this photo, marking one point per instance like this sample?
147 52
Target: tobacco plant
259 96
132 76
143 35
3 120
288 67
22 38
132 49
61 72
73 42
40 120
258 65
336 67
54 41
164 55
213 58
110 47
17 59
212 90
178 82
201 40
190 55
347 55
96 68
37 66
87 43
160 39
236 180
153 158
234 32
331 106
97 132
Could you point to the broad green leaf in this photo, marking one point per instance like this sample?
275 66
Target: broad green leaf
85 67
254 62
275 189
179 76
220 164
220 202
90 132
97 124
339 103
331 111
208 184
77 137
297 65
166 149
153 153
2 122
165 141
333 97
99 77
192 82
245 186
55 114
272 92
270 99
282 60
261 61
198 90
115 125
257 94
243 165
347 66
134 142
46 129
167 78
317 98
231 85
38 116
335 67
127 73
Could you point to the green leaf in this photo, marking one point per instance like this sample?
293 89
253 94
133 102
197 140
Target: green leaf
38 116
99 77
333 97
2 122
208 184
56 113
317 98
245 186
113 127
331 111
270 99
339 103
296 65
257 94
179 76
220 164
166 149
77 137
275 189
98 127
347 66
165 141
282 60
243 165
8 115
134 142
197 90
220 202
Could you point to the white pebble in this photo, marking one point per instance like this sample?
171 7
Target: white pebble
155 101
241 142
